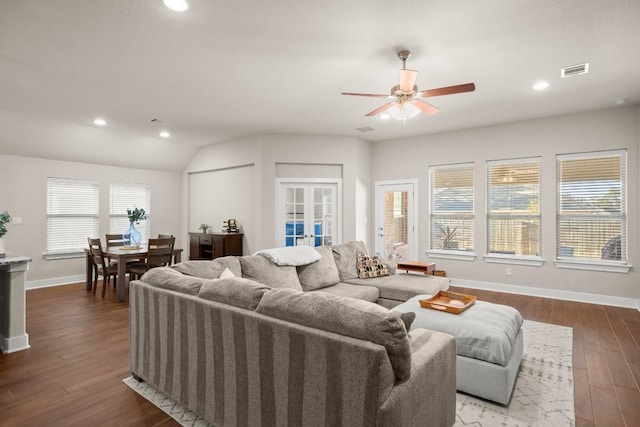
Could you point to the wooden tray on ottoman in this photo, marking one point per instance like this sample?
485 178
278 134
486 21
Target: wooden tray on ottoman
451 302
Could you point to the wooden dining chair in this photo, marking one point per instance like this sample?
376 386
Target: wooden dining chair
100 266
159 254
114 240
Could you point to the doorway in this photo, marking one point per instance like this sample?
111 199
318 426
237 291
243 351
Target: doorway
396 231
308 212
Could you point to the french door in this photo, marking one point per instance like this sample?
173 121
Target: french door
308 212
396 233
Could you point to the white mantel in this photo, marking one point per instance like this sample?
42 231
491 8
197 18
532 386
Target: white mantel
13 334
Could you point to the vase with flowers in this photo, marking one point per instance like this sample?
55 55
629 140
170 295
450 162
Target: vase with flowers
133 237
4 218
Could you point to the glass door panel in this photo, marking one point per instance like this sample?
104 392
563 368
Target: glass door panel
394 222
309 214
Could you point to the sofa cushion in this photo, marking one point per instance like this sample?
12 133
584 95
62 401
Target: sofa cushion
263 271
319 274
366 293
369 267
346 259
209 269
168 278
401 287
236 291
345 316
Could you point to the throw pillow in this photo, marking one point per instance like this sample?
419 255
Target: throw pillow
226 274
369 267
408 318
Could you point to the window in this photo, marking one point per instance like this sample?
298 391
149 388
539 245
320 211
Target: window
129 196
72 216
592 205
513 208
452 208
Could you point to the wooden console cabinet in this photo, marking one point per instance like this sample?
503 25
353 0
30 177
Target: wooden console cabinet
215 245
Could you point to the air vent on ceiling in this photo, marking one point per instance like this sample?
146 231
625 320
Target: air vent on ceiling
574 70
366 129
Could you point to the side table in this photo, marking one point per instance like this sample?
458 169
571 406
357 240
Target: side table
428 268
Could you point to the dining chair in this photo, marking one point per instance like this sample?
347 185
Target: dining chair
159 254
100 266
114 240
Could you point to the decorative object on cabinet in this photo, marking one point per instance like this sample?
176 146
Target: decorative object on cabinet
206 246
230 226
204 227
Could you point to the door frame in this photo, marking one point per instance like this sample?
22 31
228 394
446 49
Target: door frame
412 239
279 207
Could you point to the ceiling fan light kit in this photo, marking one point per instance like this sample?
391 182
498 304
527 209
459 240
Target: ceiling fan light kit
407 103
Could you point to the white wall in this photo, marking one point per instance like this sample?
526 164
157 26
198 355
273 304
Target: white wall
601 130
24 194
265 152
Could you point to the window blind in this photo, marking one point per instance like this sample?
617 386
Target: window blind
451 207
129 196
72 214
592 205
513 207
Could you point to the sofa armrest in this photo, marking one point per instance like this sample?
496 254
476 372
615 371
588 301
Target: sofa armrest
430 392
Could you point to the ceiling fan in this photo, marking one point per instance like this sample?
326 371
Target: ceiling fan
406 98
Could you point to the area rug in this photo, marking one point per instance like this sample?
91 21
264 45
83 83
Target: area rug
543 393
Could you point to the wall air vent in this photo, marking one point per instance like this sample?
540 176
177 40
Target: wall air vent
366 129
574 70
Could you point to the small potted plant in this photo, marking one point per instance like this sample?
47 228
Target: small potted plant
449 237
4 219
204 227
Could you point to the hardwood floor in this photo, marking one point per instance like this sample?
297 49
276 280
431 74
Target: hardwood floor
72 375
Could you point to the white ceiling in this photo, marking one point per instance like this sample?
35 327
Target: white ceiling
227 69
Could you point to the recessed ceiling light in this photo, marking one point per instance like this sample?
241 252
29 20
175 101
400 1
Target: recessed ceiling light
164 134
99 122
621 101
385 116
541 85
177 5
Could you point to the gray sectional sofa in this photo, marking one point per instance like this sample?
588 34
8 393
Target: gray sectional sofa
291 346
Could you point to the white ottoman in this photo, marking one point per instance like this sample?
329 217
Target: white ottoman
489 343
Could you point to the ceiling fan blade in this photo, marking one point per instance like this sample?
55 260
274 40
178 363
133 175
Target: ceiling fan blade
426 107
380 109
407 80
375 95
449 90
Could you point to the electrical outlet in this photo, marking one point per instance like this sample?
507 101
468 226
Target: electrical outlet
16 220
508 272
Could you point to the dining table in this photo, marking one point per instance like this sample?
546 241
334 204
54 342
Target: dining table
122 254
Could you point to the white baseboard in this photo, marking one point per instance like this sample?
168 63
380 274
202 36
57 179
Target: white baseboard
56 281
13 344
549 293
